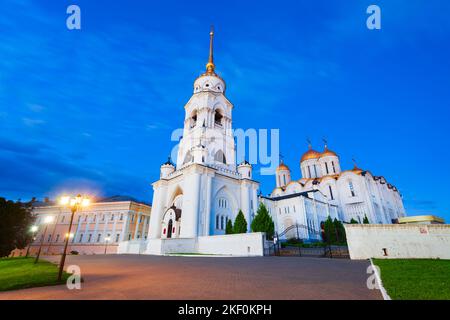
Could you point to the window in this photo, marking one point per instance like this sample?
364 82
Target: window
112 217
132 218
309 171
129 235
121 216
315 172
220 157
57 238
218 118
284 179
85 218
352 189
99 237
117 237
89 237
326 167
81 238
49 238
95 217
103 217
331 193
62 219
221 223
293 208
217 222
334 168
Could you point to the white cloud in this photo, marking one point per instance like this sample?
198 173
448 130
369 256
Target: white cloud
32 122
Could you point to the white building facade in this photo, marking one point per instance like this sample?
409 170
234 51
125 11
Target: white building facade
345 195
205 188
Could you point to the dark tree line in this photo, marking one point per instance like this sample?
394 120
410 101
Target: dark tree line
15 222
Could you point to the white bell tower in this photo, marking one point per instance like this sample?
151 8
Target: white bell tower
207 134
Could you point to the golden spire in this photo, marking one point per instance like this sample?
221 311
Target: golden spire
210 65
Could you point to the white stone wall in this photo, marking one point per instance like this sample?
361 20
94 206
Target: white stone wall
246 244
398 241
132 247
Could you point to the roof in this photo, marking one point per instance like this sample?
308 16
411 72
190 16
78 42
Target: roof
416 219
116 198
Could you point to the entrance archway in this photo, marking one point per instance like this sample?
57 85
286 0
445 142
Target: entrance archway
169 229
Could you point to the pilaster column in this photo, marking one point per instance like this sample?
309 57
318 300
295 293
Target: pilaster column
123 236
136 229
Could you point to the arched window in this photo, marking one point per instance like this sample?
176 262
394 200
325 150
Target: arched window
193 120
331 192
220 157
221 223
217 222
352 189
187 158
218 118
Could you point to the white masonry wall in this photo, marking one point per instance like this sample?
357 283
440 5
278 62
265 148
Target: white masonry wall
398 241
245 244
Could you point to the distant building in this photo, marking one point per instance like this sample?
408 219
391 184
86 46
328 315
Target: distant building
117 218
428 219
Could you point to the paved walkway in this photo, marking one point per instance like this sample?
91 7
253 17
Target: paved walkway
154 277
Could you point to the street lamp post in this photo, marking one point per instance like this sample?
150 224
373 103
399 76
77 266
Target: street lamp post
47 221
106 243
33 230
75 204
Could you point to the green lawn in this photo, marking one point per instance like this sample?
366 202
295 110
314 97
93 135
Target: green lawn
20 273
415 279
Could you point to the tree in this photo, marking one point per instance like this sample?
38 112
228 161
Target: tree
340 231
229 227
333 231
353 221
263 222
329 235
366 220
240 224
15 221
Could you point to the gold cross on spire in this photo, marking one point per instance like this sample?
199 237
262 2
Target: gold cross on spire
210 65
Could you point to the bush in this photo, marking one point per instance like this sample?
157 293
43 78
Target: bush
229 227
240 224
263 222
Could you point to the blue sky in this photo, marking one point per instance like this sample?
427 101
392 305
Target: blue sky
93 110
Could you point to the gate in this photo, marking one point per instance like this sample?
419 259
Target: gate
295 246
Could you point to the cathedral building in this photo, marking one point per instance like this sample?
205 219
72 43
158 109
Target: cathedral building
325 190
205 188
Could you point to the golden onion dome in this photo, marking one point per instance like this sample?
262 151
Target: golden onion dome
310 154
328 153
282 166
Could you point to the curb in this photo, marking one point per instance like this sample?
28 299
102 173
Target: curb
379 282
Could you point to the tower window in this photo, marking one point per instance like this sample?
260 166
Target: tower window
334 168
220 157
309 171
352 189
326 167
331 193
218 118
315 171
